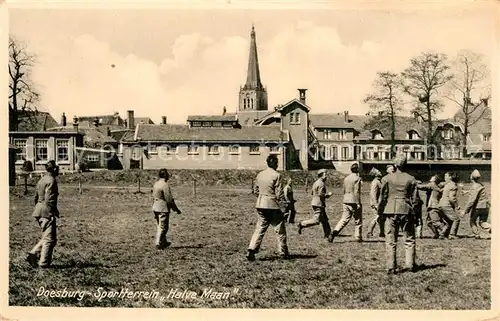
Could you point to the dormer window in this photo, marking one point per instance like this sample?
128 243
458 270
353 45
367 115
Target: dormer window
377 134
447 133
486 137
413 135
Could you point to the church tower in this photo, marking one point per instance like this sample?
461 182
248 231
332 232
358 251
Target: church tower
253 96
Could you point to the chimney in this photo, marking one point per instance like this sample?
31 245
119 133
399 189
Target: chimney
108 131
224 110
63 120
130 119
96 122
302 95
346 116
75 123
163 120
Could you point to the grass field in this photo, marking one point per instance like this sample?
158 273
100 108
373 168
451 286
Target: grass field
106 244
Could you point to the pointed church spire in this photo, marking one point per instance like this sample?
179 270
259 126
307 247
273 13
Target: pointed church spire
253 75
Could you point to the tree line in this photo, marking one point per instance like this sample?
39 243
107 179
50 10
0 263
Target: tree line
421 89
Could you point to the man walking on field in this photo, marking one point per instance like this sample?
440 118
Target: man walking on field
270 193
289 202
351 205
319 195
45 213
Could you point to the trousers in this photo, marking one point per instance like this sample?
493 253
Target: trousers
436 222
45 247
162 220
265 218
290 212
319 217
479 221
349 211
406 223
377 220
452 220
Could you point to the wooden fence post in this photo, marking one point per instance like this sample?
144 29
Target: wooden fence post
307 183
25 183
194 187
138 182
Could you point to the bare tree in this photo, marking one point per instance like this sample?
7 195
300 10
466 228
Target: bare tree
422 80
386 103
23 97
470 76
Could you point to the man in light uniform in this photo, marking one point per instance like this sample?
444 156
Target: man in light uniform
45 213
319 195
270 193
289 202
434 216
448 204
478 207
351 206
398 192
375 188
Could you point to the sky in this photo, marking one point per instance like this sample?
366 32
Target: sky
175 63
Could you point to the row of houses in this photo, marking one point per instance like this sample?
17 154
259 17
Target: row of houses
242 140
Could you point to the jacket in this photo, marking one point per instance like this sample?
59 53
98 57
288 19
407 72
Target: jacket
398 193
46 195
269 189
318 192
449 197
477 198
352 189
433 194
163 201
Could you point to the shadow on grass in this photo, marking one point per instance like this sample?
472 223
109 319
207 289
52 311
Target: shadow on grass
423 267
80 265
199 246
291 257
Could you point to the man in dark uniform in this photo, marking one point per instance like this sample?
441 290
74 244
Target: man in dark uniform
434 216
45 213
398 192
270 194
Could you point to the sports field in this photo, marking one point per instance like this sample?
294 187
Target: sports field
105 257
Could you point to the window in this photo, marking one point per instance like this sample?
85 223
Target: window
327 134
166 149
196 124
448 133
213 149
370 153
207 124
254 149
136 153
192 149
377 135
342 134
294 118
93 157
62 150
333 153
217 124
234 149
345 153
41 150
227 124
21 153
486 137
274 149
413 135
